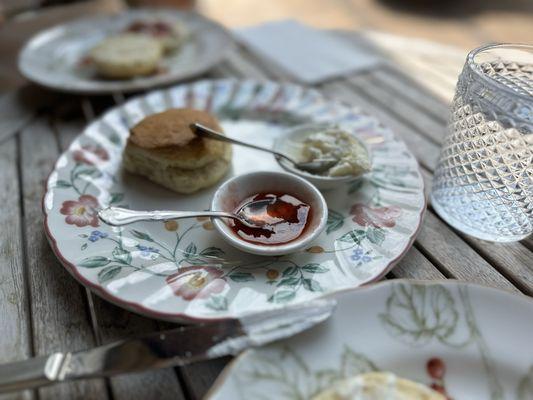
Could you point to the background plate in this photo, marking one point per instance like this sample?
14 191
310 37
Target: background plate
185 271
54 57
456 336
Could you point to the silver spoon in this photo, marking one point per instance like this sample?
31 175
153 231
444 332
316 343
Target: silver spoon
251 215
314 167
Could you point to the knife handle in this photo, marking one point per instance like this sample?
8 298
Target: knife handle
34 372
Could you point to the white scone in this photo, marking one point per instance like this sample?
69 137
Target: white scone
164 148
174 178
378 386
127 55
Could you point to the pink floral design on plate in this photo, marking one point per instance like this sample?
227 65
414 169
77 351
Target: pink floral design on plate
81 212
382 217
90 155
196 282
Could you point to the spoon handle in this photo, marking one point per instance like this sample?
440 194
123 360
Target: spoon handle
204 131
118 216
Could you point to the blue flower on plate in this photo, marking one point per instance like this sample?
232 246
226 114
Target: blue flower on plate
358 254
147 251
95 235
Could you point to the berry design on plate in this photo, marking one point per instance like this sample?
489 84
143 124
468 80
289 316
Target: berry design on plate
436 369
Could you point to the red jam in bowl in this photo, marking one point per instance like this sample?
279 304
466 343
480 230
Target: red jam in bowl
286 219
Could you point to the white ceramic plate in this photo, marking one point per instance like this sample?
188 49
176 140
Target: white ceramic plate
186 271
460 337
55 57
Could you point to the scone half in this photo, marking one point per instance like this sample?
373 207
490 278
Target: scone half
127 55
178 179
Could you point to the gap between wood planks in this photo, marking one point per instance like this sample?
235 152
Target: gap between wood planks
16 341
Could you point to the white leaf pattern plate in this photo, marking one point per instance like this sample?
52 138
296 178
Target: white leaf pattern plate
458 338
57 57
184 271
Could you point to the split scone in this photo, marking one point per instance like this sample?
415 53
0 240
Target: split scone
378 386
127 55
163 148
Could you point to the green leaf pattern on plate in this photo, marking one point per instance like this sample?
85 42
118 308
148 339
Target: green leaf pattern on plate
335 221
416 314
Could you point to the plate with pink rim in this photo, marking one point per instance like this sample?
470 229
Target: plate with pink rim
184 271
457 338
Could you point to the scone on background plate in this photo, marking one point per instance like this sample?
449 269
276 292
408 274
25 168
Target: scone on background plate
378 386
163 148
127 55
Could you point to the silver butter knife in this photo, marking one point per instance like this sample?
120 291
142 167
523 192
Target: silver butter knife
174 347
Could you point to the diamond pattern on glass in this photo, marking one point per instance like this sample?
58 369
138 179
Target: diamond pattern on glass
484 179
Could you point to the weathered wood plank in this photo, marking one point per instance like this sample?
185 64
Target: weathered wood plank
199 377
512 260
400 80
111 322
15 340
421 60
415 266
115 323
456 258
241 63
19 107
59 316
528 242
403 85
397 106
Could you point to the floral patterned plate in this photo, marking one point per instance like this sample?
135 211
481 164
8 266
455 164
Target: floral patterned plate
458 338
185 271
57 57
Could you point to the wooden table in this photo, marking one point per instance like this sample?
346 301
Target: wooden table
43 309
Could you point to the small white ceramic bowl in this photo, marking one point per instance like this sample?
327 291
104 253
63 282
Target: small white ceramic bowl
287 144
232 192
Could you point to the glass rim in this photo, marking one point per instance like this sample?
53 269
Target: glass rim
471 63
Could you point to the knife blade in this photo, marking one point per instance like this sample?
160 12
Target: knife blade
163 349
